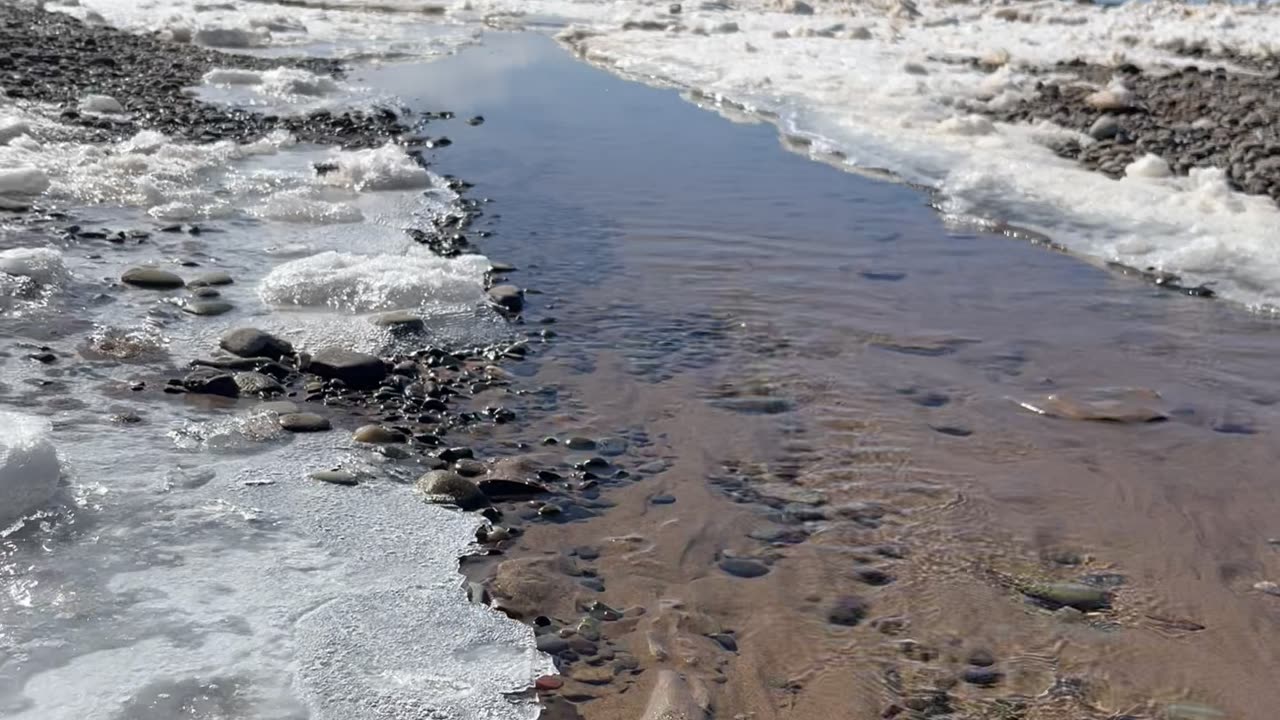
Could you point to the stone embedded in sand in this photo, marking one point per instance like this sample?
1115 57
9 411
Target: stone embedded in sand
508 297
335 477
1123 405
255 383
450 487
548 682
580 443
982 676
848 611
469 468
151 278
356 369
304 422
252 342
511 490
377 435
743 568
528 586
1075 595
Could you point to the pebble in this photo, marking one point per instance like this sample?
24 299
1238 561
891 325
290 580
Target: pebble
450 487
550 510
151 278
357 370
848 611
209 381
663 499
548 682
251 342
377 435
1075 595
1104 128
255 383
872 576
304 422
210 279
280 407
207 307
743 568
500 489
335 477
580 443
466 467
507 297
981 658
982 676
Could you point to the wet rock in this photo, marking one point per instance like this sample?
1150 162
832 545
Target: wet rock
377 435
1104 128
848 611
726 641
209 381
507 297
872 576
550 510
500 489
663 499
256 383
304 422
981 658
548 682
253 343
400 321
743 568
982 676
207 307
151 278
335 477
799 7
210 279
454 454
527 585
450 487
552 644
1075 595
580 443
468 468
357 370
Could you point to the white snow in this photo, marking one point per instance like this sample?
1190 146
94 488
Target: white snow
367 283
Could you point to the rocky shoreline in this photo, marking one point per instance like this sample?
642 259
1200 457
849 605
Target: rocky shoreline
1188 117
140 82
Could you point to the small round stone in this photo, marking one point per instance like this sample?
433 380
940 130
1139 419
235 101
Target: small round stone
743 568
377 435
151 278
981 676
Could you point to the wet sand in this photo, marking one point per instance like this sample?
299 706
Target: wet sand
826 366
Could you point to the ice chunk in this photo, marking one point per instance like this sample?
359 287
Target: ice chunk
43 265
384 168
1148 166
29 466
23 181
226 37
11 128
233 77
367 283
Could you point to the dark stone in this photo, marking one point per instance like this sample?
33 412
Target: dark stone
663 499
254 343
256 383
357 370
982 676
848 611
151 278
872 576
508 297
981 658
726 641
210 381
498 489
743 568
450 487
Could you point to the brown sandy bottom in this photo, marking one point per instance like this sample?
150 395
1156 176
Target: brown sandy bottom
835 521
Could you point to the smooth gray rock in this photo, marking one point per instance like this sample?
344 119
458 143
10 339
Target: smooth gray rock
255 383
507 297
252 342
357 370
450 487
151 278
209 279
304 422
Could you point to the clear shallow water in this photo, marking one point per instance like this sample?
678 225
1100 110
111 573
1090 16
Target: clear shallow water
690 248
695 253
